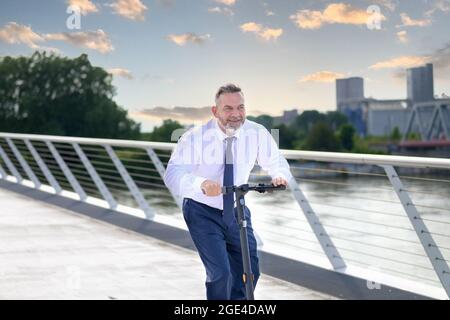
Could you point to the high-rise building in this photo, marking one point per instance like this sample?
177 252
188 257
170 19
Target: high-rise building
380 117
420 83
349 89
350 101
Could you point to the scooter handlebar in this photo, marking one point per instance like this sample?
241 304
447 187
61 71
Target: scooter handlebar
267 187
261 188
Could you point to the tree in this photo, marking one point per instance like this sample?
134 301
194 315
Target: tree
395 134
321 138
50 94
287 136
265 120
164 132
336 119
347 136
306 120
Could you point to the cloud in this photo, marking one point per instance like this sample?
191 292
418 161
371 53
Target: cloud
95 40
389 4
124 73
322 76
407 21
226 2
439 5
261 31
334 13
440 59
226 11
401 62
131 9
14 33
85 6
251 27
269 13
182 39
399 74
176 113
402 36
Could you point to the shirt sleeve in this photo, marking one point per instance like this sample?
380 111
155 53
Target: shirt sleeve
178 176
270 158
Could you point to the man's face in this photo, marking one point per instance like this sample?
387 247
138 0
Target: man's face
230 112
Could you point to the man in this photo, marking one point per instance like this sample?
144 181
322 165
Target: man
222 152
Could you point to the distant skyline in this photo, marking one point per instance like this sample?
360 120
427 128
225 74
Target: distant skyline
284 54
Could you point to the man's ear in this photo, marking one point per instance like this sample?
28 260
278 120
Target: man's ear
214 111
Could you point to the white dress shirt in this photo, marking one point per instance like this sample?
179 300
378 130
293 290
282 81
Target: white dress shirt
200 152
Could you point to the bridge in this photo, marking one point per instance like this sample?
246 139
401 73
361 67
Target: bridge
430 119
91 218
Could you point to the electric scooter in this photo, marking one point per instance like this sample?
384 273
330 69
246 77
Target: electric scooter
240 192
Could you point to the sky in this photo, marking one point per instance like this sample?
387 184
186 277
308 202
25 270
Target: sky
169 57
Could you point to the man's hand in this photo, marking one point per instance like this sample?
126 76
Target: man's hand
211 188
279 182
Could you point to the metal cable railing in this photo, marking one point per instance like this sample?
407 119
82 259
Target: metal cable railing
371 217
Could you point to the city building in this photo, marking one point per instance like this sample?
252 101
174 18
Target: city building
380 117
419 82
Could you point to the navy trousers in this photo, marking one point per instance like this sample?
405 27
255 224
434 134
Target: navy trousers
219 248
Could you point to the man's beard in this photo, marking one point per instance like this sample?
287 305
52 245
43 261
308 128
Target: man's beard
231 128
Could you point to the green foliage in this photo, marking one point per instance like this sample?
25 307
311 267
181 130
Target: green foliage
414 136
50 94
307 119
265 120
164 132
347 136
287 136
321 138
396 135
362 145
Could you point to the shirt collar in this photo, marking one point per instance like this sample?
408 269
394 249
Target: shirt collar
221 135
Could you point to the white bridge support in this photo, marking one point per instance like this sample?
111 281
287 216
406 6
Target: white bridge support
143 204
426 239
104 191
67 172
321 234
44 168
10 166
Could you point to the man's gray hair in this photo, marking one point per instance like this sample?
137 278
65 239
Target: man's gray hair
228 88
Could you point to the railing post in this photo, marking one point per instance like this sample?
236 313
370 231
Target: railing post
65 169
10 165
322 236
444 122
161 170
95 177
47 173
2 172
431 249
143 204
23 163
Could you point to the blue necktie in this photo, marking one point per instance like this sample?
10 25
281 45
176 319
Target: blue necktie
228 180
